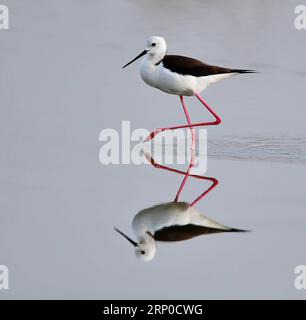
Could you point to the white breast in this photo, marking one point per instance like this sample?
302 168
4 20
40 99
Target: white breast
160 216
170 82
159 77
170 214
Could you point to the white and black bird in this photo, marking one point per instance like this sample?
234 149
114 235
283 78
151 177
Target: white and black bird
180 75
176 74
171 221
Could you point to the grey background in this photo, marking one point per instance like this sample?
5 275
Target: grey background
61 83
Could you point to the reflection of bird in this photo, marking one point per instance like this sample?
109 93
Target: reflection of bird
172 221
179 75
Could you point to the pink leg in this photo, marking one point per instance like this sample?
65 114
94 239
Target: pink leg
192 156
192 125
213 180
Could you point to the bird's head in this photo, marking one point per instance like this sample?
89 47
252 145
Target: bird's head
156 48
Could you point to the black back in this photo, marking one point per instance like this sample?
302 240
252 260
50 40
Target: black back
193 67
184 232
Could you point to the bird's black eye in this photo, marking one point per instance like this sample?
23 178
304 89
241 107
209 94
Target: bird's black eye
142 252
153 44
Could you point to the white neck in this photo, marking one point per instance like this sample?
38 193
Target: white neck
153 59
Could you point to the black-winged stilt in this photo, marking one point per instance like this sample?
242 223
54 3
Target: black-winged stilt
179 75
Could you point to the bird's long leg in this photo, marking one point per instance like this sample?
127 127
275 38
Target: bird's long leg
192 153
192 125
209 189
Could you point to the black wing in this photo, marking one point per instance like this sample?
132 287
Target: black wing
189 66
185 232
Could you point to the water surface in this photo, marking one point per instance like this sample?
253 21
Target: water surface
61 83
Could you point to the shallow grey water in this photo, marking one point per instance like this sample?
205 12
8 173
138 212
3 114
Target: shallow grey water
282 149
260 148
61 83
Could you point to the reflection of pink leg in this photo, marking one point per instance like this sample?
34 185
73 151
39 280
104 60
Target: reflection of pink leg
214 184
213 180
192 154
210 123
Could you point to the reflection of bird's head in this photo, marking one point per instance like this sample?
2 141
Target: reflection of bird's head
145 250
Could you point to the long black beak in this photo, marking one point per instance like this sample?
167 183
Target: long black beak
139 56
127 238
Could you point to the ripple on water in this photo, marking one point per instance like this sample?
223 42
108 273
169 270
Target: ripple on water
261 148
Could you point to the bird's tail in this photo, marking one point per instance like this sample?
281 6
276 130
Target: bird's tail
243 71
